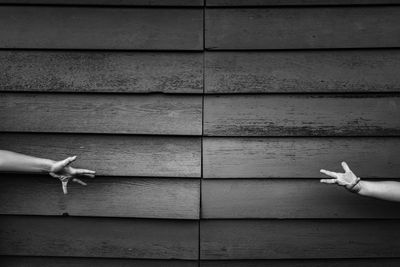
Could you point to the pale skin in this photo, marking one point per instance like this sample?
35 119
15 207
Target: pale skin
386 190
16 162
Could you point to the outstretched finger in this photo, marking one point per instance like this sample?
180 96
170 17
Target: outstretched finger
329 173
88 173
68 161
78 181
345 167
64 187
328 181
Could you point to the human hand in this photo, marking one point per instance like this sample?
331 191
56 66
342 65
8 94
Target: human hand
347 179
62 171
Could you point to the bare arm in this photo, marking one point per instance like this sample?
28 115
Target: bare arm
387 190
16 162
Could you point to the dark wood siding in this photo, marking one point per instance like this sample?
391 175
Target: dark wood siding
207 128
103 197
299 71
290 2
110 2
101 71
101 113
303 157
100 28
297 239
115 155
292 87
302 115
312 28
119 84
287 199
109 238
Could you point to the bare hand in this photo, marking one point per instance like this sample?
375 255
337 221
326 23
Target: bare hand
62 171
347 179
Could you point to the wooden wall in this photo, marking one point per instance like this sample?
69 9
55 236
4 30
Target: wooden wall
207 123
119 84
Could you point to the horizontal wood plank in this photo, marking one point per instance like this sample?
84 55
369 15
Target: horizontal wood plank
296 2
28 261
105 72
299 157
248 198
302 71
108 2
98 237
100 28
302 115
304 263
101 113
299 239
306 28
114 155
103 197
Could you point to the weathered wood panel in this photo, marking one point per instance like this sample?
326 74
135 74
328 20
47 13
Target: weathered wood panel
301 115
100 28
106 72
28 261
303 263
296 2
302 71
306 28
109 2
104 196
101 113
298 239
114 155
98 237
299 157
288 199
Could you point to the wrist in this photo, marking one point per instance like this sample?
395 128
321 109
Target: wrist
356 186
45 165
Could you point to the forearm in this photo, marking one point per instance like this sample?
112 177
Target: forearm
386 190
15 162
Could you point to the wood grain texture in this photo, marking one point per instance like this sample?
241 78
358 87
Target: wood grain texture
114 155
297 2
98 237
308 28
303 263
103 197
299 157
100 28
108 2
299 239
101 113
106 72
302 115
18 261
302 71
299 199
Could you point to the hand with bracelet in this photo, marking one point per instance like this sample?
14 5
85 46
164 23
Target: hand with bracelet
386 190
16 162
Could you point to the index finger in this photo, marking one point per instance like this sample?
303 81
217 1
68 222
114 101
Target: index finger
329 173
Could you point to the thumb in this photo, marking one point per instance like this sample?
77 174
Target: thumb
68 161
